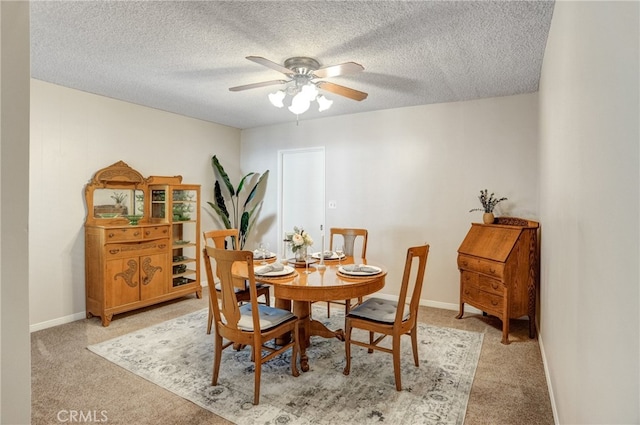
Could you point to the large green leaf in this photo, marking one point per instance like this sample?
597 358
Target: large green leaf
253 192
223 217
223 175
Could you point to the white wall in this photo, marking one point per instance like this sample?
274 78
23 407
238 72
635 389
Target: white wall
589 195
15 359
74 134
411 175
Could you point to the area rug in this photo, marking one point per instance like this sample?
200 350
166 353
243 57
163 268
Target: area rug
178 356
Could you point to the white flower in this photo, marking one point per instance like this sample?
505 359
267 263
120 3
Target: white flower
297 239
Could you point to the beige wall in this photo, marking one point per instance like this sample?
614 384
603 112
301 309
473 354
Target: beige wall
589 209
15 360
411 175
74 134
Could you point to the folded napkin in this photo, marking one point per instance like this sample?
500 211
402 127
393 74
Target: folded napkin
360 268
328 254
275 267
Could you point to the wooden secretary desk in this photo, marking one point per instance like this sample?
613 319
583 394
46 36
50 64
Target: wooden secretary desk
498 266
142 241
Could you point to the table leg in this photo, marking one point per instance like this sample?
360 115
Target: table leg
302 309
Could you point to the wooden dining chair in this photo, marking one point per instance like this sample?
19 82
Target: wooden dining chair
227 239
247 324
390 318
349 237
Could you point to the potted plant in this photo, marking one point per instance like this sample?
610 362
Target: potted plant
244 216
488 202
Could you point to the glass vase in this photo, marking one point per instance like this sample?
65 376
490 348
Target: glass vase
301 254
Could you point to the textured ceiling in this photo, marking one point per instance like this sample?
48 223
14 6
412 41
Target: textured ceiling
182 56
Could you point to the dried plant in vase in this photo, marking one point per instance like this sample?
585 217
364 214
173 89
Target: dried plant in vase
488 202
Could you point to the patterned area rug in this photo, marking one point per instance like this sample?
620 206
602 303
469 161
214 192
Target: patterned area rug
178 356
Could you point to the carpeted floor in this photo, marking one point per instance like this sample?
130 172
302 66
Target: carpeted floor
177 355
509 386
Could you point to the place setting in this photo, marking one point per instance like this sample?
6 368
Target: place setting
355 270
328 255
274 269
263 253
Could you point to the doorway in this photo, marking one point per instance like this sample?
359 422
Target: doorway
301 179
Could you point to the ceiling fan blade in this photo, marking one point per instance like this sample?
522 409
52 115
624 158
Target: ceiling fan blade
342 90
256 85
340 69
270 64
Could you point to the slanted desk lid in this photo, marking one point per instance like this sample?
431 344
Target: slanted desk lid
491 242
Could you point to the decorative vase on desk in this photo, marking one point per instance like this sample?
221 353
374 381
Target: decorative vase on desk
488 218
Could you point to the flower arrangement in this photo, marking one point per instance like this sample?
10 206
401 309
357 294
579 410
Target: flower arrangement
299 240
488 202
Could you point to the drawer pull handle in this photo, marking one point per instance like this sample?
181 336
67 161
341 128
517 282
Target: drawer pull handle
147 233
111 235
114 251
495 285
465 263
494 303
493 271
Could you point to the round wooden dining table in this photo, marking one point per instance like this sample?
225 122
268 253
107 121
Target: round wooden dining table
320 284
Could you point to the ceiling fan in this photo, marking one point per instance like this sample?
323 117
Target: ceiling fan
301 72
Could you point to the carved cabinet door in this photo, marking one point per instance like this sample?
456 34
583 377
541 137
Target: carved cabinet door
153 272
122 281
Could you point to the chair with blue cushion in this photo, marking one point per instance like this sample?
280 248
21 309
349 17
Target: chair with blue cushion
228 239
250 324
390 317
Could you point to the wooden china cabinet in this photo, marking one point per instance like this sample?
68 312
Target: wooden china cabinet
499 266
141 241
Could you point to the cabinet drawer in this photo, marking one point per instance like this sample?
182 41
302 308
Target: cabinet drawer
136 249
480 265
156 232
123 234
484 300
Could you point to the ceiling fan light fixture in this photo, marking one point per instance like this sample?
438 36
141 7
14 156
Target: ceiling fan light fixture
309 91
324 103
299 104
277 98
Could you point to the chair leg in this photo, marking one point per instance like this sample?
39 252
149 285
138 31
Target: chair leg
396 362
217 359
347 347
347 306
414 344
371 338
328 310
258 372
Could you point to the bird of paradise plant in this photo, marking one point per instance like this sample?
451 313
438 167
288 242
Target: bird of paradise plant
244 217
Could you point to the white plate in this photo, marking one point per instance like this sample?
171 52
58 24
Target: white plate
334 256
375 270
258 255
287 270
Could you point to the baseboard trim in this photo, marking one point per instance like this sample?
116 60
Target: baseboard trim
547 376
55 322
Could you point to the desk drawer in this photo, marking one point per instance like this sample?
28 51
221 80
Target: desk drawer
485 301
493 286
480 265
